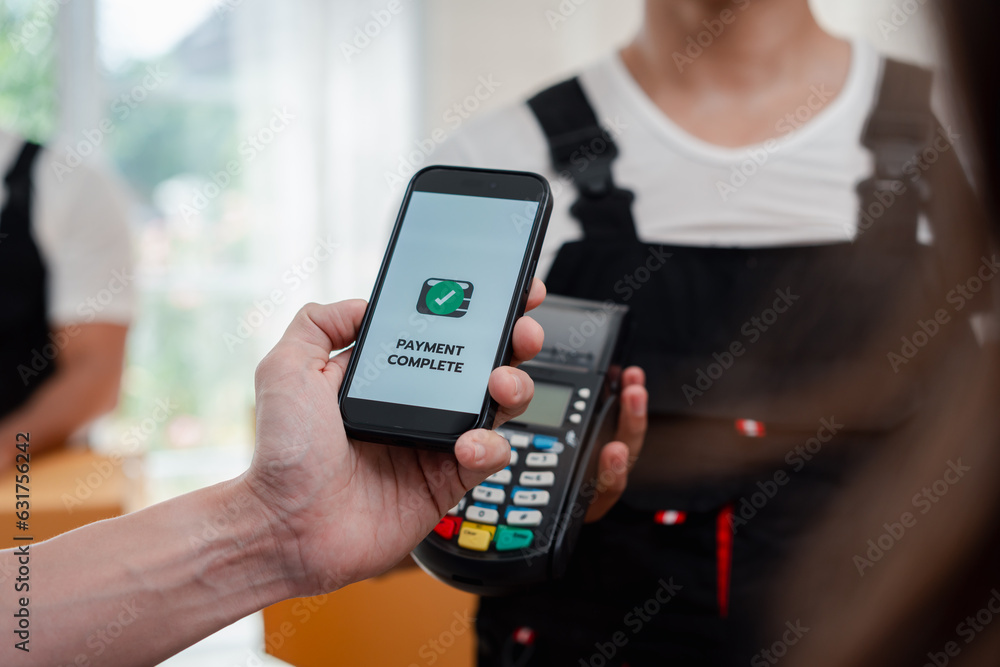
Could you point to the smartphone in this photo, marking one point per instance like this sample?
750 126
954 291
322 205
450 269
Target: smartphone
453 282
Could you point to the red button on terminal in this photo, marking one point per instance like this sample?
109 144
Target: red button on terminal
448 527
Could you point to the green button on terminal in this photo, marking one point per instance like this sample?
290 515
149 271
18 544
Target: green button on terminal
508 539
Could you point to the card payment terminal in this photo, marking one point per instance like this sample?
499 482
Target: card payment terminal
518 527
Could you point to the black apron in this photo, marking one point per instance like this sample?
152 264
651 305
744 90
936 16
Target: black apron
749 353
26 352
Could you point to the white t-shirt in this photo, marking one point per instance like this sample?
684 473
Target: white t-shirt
796 189
80 225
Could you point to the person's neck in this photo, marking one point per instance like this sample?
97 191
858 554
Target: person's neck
730 44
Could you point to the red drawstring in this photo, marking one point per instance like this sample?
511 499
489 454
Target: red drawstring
724 556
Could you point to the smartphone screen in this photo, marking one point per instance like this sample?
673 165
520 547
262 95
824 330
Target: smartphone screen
452 277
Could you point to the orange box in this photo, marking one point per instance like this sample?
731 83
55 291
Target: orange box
405 618
68 489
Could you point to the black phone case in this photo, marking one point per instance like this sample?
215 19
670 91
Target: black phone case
446 441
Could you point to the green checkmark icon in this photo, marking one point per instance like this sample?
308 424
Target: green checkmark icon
444 298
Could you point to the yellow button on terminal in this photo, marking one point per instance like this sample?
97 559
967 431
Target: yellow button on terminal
475 536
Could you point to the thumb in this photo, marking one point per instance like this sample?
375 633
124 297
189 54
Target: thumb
325 328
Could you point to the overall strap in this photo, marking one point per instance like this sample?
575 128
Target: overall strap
901 124
915 153
23 298
581 150
899 127
18 178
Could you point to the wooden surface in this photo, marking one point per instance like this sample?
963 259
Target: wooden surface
68 489
404 619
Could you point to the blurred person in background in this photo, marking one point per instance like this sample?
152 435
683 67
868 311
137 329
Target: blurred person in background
66 290
784 216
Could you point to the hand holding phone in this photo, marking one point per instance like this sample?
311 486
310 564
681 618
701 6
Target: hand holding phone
454 280
344 510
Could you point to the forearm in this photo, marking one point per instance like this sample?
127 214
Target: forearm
141 587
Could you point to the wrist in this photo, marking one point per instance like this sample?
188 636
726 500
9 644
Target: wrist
264 549
302 576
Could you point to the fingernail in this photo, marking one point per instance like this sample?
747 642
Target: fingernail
478 450
517 385
639 405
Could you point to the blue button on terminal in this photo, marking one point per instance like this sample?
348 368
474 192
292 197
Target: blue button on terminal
544 441
486 506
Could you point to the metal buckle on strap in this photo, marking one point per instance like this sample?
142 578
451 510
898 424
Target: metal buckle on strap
594 179
586 156
896 139
892 159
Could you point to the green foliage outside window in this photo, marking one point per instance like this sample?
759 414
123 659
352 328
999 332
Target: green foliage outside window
28 68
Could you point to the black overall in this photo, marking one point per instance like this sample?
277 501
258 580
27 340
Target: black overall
749 353
24 328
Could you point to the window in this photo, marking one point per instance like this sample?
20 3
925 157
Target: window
167 87
28 68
